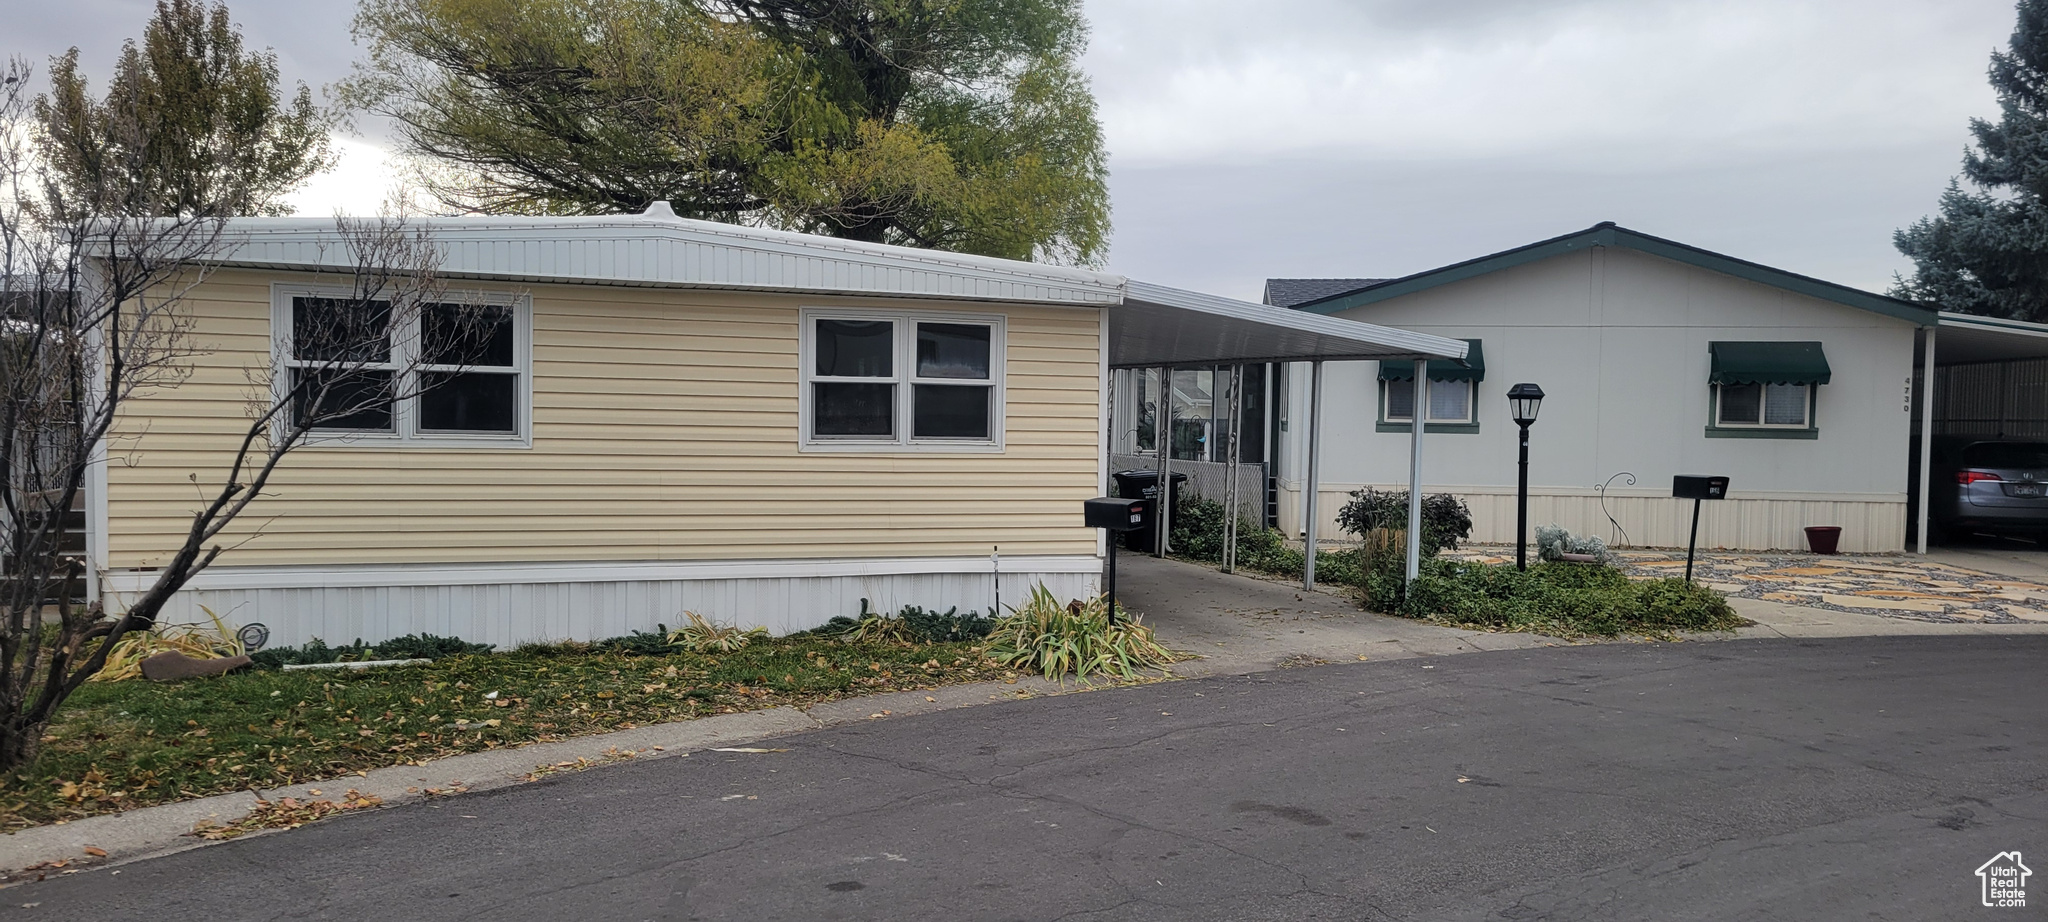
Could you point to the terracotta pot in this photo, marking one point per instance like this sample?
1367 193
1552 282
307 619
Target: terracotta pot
1823 539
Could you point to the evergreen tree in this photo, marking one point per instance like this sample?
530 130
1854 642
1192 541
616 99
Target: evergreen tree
192 125
951 124
1987 251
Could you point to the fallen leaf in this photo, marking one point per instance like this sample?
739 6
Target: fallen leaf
96 851
1462 779
931 699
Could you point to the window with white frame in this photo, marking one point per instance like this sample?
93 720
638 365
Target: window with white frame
895 380
453 374
1449 401
1764 406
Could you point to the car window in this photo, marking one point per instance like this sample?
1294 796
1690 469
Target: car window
2006 454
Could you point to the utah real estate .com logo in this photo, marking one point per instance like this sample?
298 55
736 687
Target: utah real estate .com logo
2005 880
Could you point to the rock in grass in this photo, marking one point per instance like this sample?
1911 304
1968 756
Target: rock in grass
173 666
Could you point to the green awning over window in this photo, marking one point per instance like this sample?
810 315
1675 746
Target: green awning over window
1768 363
1472 369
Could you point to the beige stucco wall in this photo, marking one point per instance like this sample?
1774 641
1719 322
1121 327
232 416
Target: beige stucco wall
664 429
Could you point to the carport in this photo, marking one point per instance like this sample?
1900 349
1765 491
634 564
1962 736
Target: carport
1955 340
1163 328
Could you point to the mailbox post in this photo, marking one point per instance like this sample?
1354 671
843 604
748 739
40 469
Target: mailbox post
1115 515
1697 487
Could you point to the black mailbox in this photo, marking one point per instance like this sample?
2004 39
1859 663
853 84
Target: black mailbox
1117 514
1699 486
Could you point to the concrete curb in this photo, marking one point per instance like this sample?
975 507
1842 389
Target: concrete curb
148 832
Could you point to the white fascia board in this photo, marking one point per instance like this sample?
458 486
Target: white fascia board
1158 325
1997 324
661 251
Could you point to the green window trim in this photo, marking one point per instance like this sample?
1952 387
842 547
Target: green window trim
1428 428
1809 432
1717 432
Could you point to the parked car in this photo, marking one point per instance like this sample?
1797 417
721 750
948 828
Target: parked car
1993 486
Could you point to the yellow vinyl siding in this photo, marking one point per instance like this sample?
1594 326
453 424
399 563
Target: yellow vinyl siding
664 428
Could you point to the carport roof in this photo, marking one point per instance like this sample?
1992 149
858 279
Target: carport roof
1966 339
1156 325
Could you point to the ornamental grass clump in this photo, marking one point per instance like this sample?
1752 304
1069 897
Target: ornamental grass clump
700 635
1053 639
197 641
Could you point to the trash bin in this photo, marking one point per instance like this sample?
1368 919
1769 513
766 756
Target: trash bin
1144 484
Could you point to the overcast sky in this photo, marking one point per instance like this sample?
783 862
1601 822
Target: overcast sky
1383 137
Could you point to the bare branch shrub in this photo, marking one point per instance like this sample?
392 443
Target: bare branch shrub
94 317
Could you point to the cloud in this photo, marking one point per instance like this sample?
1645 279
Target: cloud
1677 81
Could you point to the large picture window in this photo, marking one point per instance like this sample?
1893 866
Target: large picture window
452 375
883 380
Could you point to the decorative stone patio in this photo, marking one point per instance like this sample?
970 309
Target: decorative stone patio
1892 585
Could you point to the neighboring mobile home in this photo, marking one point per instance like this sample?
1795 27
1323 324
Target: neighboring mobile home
1658 359
761 427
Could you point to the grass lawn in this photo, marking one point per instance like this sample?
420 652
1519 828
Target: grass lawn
126 744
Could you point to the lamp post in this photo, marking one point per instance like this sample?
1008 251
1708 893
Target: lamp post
1525 400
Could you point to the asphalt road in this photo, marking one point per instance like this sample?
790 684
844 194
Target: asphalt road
1848 779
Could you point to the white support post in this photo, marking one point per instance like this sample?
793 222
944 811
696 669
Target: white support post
1418 421
1231 493
1309 489
1926 433
1162 439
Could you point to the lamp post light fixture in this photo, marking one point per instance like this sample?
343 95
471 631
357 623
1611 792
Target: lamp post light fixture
1525 399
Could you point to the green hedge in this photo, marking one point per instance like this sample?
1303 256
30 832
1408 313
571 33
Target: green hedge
1555 598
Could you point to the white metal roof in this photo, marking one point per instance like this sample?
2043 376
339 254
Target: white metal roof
661 250
1150 325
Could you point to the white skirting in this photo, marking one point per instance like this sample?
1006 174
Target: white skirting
509 604
1755 521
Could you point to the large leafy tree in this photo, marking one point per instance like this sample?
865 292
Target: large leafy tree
1987 251
952 124
191 125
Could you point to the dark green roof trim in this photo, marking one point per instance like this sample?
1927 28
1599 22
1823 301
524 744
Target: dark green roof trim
1607 234
1473 368
1768 363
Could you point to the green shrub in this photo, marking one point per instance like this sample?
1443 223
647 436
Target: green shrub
1198 535
949 626
911 624
1054 639
639 643
1445 518
411 646
1554 598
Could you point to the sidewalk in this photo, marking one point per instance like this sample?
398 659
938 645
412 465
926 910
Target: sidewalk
1244 624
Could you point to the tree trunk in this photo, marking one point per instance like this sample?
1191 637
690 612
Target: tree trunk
18 747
